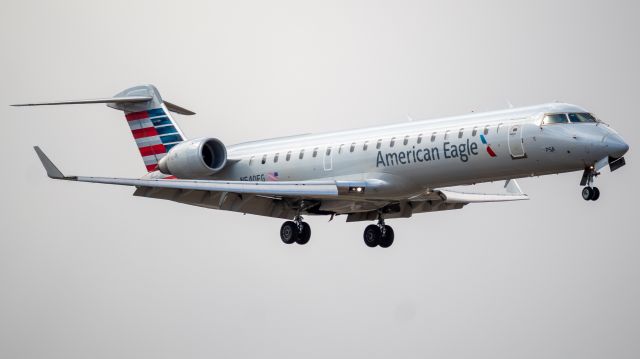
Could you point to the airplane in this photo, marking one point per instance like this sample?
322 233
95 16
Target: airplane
370 174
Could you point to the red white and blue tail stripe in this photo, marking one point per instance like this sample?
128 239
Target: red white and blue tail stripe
155 133
153 129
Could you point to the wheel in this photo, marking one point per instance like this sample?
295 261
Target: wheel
372 235
305 233
587 193
289 232
387 239
596 194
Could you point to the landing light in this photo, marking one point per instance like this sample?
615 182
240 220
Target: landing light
356 190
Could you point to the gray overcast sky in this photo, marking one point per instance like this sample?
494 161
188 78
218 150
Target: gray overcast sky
90 271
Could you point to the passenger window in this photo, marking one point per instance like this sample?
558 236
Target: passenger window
301 154
340 148
461 133
315 152
581 117
419 139
366 144
328 151
433 136
353 147
251 160
474 132
446 134
406 140
498 128
288 155
264 159
275 158
379 144
486 130
393 142
554 118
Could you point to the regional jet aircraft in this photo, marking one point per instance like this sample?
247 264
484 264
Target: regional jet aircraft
371 174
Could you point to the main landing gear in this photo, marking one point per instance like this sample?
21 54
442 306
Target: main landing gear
589 193
295 231
378 235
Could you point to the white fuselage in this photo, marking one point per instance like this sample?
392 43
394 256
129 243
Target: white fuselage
409 158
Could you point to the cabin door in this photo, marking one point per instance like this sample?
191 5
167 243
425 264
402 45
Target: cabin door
327 159
516 143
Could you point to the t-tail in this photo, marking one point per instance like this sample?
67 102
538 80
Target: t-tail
147 114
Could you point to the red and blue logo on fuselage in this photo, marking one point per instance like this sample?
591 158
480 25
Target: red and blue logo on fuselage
489 149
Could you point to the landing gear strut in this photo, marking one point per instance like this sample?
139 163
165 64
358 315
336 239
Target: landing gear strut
295 231
378 234
588 177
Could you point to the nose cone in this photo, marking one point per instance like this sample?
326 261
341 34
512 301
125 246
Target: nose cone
615 145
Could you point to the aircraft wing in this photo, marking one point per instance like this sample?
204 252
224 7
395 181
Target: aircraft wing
441 200
279 199
315 189
512 193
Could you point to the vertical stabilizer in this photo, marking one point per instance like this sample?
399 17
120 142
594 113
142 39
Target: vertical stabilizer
153 128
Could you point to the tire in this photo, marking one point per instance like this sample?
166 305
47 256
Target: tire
596 194
288 232
304 235
372 235
587 193
387 239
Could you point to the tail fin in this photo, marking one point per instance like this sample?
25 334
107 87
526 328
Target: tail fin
153 128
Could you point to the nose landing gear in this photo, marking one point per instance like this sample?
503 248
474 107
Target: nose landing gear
589 193
295 231
378 235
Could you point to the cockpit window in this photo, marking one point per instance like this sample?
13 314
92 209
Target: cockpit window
555 118
581 117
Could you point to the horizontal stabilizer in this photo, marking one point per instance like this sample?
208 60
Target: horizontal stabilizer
177 109
123 100
117 102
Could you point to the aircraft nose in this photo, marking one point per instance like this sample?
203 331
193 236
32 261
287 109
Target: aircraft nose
615 145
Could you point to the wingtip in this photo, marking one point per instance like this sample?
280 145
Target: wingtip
52 170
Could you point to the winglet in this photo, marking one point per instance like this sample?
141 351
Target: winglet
513 187
52 170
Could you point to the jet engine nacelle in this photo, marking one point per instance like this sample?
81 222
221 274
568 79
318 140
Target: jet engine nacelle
194 158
